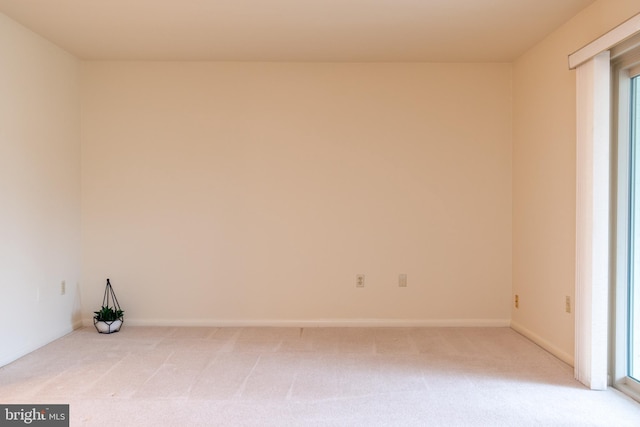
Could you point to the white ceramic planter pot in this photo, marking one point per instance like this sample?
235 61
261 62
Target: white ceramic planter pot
107 327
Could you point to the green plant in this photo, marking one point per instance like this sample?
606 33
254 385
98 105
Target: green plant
107 314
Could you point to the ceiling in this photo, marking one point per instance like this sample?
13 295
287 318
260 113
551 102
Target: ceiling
294 30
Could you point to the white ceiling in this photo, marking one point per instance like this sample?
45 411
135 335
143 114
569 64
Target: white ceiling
295 30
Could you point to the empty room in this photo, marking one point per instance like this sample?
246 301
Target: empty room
319 213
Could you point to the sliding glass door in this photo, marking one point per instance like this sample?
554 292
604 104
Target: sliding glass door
625 366
633 289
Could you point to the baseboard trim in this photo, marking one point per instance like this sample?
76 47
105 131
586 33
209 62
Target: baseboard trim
560 354
24 350
309 323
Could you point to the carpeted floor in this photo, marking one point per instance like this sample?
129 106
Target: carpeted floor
309 377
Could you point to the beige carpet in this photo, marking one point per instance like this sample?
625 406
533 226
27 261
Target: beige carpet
309 377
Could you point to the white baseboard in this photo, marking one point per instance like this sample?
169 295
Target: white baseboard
19 352
560 354
309 323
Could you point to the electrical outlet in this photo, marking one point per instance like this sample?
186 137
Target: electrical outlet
402 280
567 304
359 280
517 301
63 287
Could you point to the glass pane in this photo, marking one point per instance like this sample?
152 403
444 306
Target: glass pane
634 244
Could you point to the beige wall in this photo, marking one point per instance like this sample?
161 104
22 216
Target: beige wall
222 193
39 190
544 176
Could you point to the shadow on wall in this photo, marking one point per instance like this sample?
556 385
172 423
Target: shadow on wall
76 311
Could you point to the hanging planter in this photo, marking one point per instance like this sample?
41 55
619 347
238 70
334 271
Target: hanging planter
109 318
